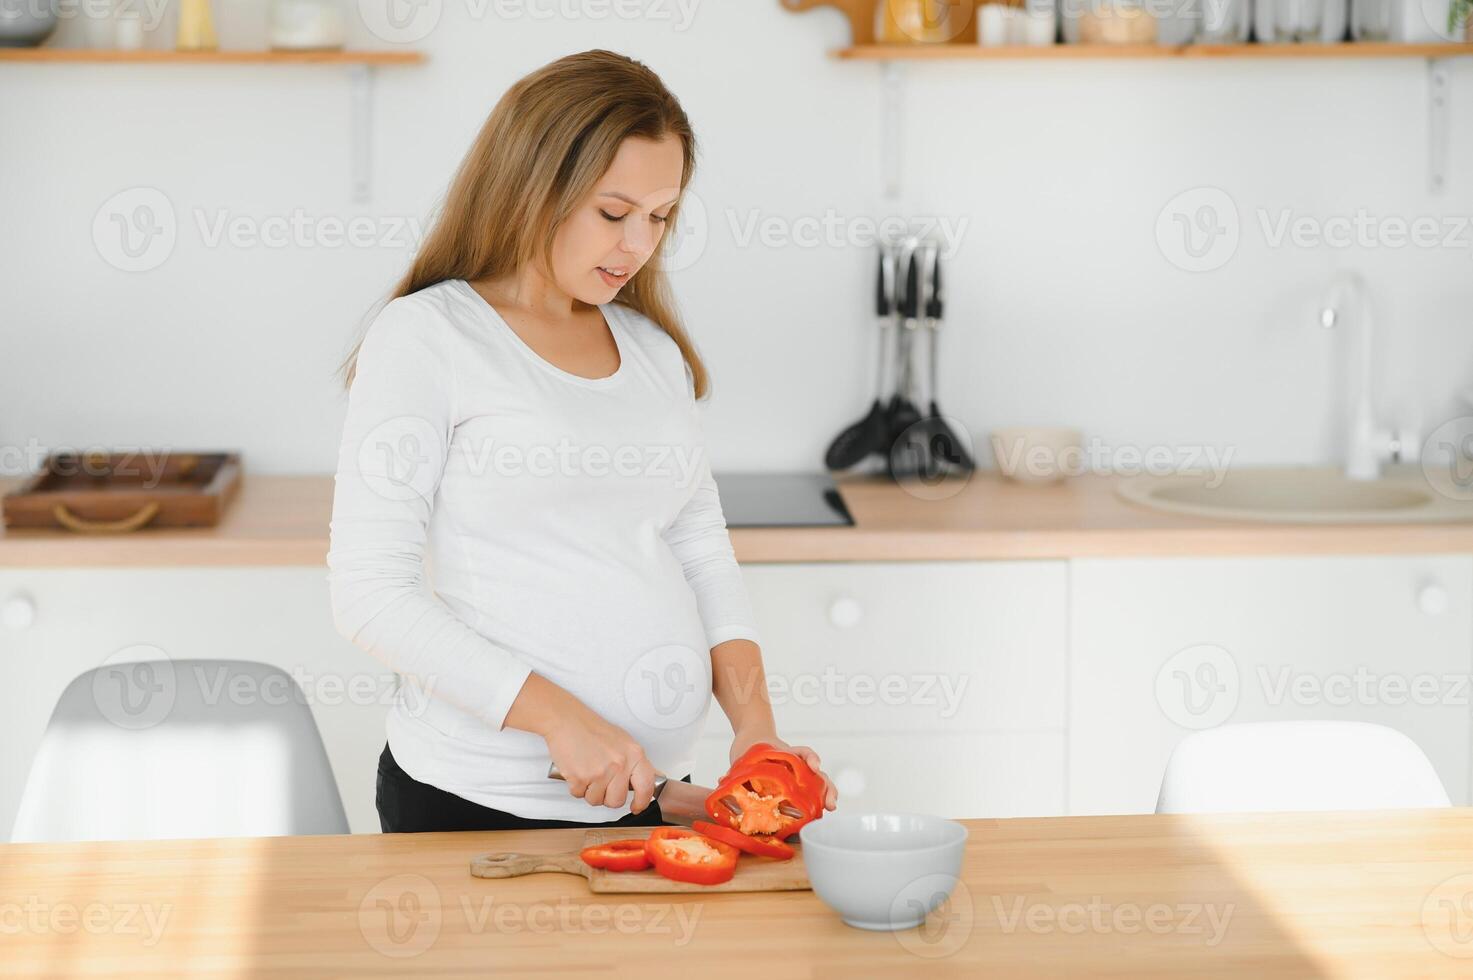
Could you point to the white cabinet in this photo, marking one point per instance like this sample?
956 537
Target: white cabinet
1162 647
281 616
933 686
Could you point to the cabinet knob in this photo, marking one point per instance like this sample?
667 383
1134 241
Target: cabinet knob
845 612
1433 600
18 612
849 781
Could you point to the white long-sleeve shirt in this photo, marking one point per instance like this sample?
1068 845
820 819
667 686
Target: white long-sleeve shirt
494 515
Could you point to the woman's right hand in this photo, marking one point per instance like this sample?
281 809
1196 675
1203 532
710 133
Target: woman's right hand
601 762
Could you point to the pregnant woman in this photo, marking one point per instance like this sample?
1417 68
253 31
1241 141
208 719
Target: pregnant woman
525 527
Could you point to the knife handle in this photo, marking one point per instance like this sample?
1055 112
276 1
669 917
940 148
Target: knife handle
933 305
660 779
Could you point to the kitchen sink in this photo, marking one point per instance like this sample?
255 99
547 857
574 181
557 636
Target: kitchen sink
1300 495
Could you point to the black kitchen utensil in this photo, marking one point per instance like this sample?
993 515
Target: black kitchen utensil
869 434
946 448
905 446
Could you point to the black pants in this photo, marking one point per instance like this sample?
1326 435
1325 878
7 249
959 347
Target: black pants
407 806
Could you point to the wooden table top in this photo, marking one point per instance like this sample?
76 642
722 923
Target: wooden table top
1290 895
284 520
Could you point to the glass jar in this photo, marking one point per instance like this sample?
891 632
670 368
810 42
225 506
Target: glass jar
1108 22
920 21
1370 20
1224 22
307 25
1297 20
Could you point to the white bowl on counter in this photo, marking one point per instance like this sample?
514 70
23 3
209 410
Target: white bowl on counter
883 871
1038 454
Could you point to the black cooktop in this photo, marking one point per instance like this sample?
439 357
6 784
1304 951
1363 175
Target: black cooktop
781 500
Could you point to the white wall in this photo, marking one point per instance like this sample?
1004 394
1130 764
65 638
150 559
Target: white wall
1063 309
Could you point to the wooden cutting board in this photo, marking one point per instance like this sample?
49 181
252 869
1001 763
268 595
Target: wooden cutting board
753 874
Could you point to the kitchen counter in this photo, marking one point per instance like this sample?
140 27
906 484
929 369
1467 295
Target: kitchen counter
1285 895
283 520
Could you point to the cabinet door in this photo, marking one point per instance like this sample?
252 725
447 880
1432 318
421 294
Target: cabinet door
934 686
872 647
1164 647
279 616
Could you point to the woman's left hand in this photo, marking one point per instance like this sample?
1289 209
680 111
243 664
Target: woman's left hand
745 741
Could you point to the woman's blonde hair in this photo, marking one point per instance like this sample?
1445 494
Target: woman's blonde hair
547 143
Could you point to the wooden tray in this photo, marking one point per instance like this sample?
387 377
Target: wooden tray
112 493
753 874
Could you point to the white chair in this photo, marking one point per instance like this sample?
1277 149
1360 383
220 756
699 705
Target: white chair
180 748
1298 765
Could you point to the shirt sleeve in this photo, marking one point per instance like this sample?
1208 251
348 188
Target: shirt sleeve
396 438
699 539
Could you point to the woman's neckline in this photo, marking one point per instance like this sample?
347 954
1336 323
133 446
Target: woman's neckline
611 321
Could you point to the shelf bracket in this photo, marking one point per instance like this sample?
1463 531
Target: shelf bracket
1439 95
361 135
892 127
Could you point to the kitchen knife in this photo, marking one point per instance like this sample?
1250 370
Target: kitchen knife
681 802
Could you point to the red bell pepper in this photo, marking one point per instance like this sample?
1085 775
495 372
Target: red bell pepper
762 790
683 855
762 845
617 855
806 782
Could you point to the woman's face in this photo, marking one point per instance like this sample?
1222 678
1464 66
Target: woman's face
613 232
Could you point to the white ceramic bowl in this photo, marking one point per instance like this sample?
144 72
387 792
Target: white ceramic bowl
883 871
1038 454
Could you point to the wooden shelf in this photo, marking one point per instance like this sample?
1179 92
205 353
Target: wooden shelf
90 56
1055 52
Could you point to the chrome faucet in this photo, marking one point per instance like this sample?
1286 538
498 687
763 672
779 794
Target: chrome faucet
1367 445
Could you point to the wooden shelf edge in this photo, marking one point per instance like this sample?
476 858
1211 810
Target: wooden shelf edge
242 57
1065 52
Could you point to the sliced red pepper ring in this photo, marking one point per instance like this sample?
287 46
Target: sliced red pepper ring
683 855
762 791
806 782
761 845
617 855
